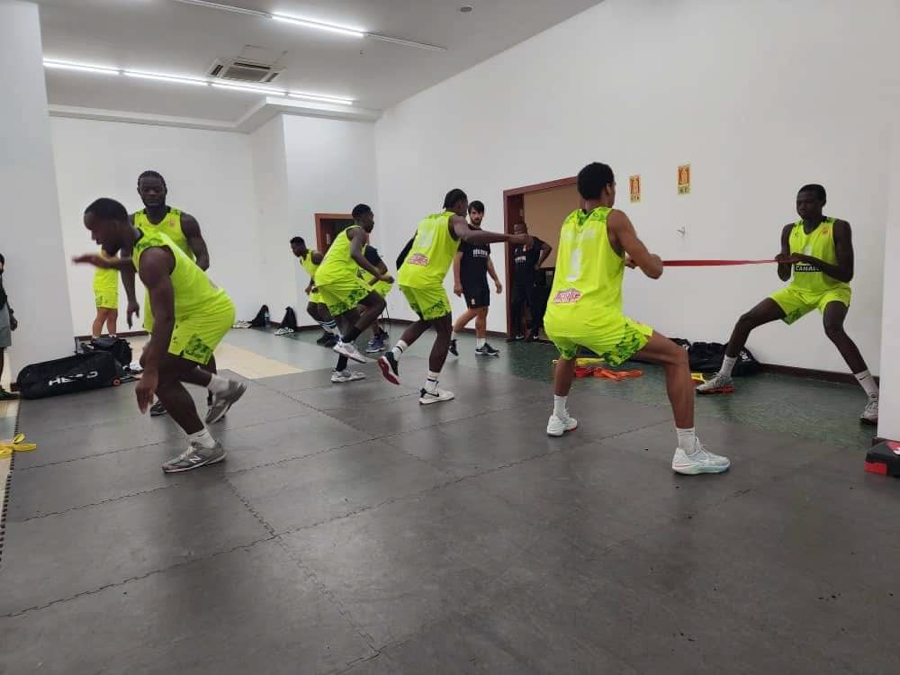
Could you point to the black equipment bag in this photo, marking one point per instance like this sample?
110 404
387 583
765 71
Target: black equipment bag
706 357
290 319
81 372
261 320
119 348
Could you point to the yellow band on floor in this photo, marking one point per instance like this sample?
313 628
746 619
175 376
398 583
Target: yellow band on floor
17 444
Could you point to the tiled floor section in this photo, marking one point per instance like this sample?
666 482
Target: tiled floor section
353 531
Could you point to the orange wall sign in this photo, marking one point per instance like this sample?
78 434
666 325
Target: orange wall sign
684 179
634 185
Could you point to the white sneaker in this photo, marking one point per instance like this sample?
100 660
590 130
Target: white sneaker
870 414
719 384
437 396
349 350
701 461
342 376
557 426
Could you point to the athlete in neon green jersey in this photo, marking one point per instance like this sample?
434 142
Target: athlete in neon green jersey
316 307
182 228
421 280
818 253
191 316
106 298
344 292
596 244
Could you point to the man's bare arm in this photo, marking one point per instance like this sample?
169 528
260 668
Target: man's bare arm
843 250
493 274
625 237
785 262
460 228
546 250
358 241
191 229
156 268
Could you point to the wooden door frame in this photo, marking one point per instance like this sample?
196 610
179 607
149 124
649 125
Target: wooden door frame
320 226
513 212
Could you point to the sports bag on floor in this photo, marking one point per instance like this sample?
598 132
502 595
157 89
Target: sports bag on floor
119 348
81 372
706 357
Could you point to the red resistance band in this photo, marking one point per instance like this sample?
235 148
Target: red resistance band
713 263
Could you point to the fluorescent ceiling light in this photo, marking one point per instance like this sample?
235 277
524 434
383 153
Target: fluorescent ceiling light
341 30
321 98
166 78
82 67
250 87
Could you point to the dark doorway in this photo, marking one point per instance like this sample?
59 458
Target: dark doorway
328 227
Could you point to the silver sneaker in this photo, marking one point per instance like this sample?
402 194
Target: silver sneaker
437 396
870 414
700 461
222 403
558 426
349 350
719 384
343 376
195 457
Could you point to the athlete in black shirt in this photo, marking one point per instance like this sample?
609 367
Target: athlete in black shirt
527 259
470 271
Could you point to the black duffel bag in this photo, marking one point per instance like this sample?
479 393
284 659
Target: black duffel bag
707 357
71 374
119 348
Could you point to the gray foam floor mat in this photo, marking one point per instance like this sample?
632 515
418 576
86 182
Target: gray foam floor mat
352 530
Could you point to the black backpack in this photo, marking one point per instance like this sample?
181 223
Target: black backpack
261 320
706 357
290 319
119 348
81 372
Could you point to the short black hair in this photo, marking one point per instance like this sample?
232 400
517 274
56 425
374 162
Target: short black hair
476 206
816 189
298 240
593 178
150 173
454 197
2 259
107 209
360 210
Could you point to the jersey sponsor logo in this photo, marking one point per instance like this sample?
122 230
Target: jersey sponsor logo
567 296
806 267
479 253
521 259
419 259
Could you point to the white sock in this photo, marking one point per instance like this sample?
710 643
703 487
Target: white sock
217 384
453 335
687 438
203 438
399 348
330 327
431 384
480 342
727 366
867 382
112 335
559 406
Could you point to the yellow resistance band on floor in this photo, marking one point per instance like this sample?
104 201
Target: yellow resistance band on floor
17 444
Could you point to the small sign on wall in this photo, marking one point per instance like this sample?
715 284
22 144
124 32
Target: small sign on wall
684 179
634 186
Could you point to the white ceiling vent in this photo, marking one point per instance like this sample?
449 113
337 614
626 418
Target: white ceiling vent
244 70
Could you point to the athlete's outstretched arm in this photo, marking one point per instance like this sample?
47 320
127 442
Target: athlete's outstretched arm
625 238
843 250
191 229
358 241
461 230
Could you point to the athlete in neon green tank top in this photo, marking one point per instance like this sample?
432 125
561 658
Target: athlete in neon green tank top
817 256
596 244
192 316
106 299
421 278
315 307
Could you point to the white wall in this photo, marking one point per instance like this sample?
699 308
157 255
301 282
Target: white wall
330 169
31 243
759 97
209 174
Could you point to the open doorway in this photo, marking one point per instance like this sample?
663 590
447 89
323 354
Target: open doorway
543 207
328 227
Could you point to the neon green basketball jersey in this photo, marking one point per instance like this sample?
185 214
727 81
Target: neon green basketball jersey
169 226
194 292
587 285
106 281
819 244
308 264
431 254
337 263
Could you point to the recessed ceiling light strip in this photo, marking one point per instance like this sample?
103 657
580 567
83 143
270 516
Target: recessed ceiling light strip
309 23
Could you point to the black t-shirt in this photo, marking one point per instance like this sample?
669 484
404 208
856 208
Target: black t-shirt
372 256
525 261
474 263
2 291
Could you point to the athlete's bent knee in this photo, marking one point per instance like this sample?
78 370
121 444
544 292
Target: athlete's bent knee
835 331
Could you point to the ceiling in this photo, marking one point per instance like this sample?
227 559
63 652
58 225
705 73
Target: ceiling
166 36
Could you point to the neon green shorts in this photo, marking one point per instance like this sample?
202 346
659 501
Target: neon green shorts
429 303
196 337
796 303
106 299
382 288
316 298
343 294
621 339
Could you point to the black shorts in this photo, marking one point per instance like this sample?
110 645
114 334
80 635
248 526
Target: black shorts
476 293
